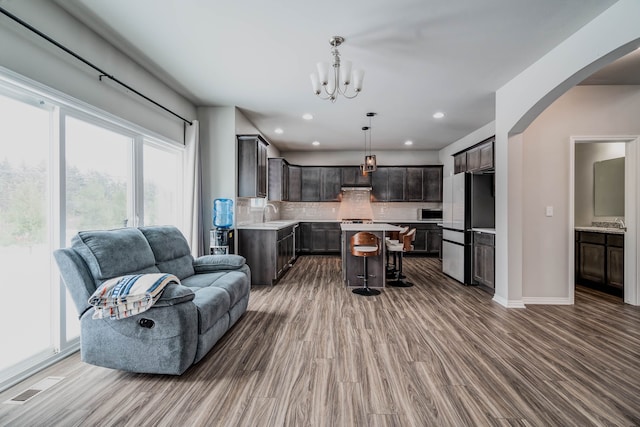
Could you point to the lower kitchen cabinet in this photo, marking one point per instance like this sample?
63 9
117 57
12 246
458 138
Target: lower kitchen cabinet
269 253
319 237
428 238
484 259
600 261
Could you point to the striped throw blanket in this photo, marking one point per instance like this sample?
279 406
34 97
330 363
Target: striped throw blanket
129 295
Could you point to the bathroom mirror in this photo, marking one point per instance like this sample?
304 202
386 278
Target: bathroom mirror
608 187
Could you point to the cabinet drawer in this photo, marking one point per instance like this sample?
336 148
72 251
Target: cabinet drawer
484 239
589 237
284 232
616 240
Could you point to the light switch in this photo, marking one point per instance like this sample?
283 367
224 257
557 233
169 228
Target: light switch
549 211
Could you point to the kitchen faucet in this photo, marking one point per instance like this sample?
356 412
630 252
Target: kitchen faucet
620 223
264 210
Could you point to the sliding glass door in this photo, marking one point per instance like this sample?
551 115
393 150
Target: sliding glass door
66 168
25 231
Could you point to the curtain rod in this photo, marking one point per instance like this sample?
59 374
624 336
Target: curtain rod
78 57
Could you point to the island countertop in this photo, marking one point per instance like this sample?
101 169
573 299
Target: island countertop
370 227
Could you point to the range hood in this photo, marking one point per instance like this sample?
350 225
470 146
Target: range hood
355 188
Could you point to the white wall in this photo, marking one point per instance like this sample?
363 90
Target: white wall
586 155
346 158
29 55
609 36
582 111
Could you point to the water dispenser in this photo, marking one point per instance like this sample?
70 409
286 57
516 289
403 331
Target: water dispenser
221 236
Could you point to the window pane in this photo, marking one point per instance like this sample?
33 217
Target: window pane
25 249
97 171
161 170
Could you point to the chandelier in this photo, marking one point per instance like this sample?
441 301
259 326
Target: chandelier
328 86
369 164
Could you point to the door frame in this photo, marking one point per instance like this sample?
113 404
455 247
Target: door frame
631 213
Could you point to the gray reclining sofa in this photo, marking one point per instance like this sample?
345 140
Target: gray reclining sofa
182 326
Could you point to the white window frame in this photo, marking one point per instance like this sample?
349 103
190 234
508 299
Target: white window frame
63 106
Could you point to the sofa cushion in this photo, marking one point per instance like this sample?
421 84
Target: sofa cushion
212 303
210 263
170 249
111 253
234 283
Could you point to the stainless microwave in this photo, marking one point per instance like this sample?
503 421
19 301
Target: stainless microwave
429 214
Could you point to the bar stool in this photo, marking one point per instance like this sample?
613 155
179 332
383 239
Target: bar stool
365 245
394 237
398 249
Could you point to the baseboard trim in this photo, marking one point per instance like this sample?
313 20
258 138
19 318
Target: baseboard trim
508 303
547 300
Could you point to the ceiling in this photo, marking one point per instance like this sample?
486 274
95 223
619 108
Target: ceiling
419 57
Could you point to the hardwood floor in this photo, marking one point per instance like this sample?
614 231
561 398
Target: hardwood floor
310 353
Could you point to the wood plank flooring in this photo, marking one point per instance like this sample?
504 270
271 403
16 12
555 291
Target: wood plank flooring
310 353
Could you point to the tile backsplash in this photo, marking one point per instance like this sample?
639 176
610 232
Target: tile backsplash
251 210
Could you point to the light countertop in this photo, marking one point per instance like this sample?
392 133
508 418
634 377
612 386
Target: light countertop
608 230
283 223
270 225
370 227
485 230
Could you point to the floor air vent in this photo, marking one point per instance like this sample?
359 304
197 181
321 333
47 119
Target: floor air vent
34 390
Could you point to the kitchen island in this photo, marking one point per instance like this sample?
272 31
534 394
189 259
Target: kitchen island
352 266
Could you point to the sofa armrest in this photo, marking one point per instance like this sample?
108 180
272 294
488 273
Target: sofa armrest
212 263
174 294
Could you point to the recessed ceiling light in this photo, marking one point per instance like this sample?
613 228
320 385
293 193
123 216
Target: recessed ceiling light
307 116
438 115
315 143
278 131
408 143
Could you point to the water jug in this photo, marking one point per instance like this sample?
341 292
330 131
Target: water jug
223 213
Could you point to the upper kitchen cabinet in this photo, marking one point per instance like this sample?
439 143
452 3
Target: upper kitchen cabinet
330 182
278 179
352 177
310 177
414 184
295 183
407 184
252 166
380 185
475 159
432 184
388 184
320 183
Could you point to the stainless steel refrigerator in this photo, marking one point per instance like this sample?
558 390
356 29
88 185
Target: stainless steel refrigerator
468 202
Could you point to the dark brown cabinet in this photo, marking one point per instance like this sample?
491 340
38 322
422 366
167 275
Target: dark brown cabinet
252 166
330 183
295 183
428 237
414 184
319 237
396 183
323 183
432 184
600 261
475 159
352 177
278 174
310 184
407 184
483 264
388 184
269 253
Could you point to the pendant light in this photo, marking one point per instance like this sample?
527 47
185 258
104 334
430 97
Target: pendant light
370 164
